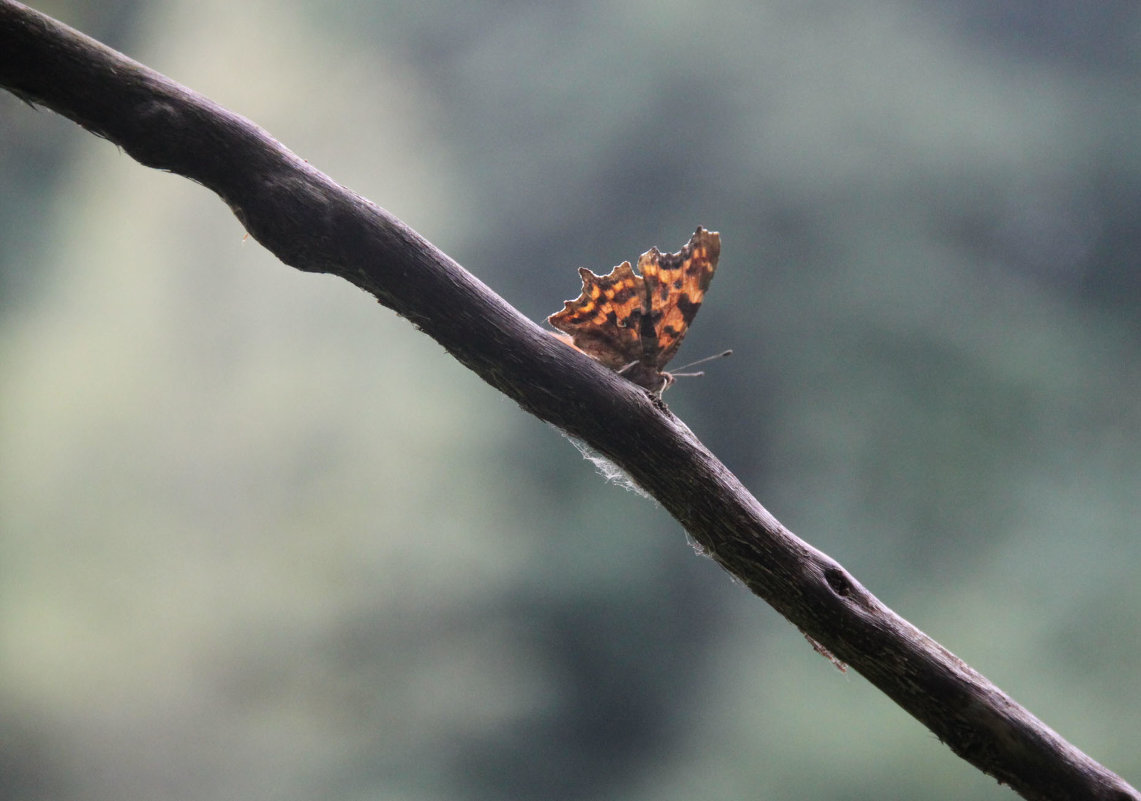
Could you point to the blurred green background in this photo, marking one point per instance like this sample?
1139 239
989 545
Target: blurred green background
263 540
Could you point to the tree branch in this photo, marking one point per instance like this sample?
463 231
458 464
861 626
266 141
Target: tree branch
310 222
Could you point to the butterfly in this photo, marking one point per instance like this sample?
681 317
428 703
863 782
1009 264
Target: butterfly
634 323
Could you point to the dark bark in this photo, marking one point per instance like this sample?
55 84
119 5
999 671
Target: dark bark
312 223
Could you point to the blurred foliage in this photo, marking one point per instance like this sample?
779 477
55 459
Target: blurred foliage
261 539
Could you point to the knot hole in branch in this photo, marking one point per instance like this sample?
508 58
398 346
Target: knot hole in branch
838 580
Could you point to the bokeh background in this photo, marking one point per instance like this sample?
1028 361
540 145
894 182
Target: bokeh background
261 539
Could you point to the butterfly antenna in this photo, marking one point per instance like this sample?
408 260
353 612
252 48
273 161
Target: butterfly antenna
703 361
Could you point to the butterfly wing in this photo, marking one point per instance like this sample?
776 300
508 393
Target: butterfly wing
675 284
606 319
